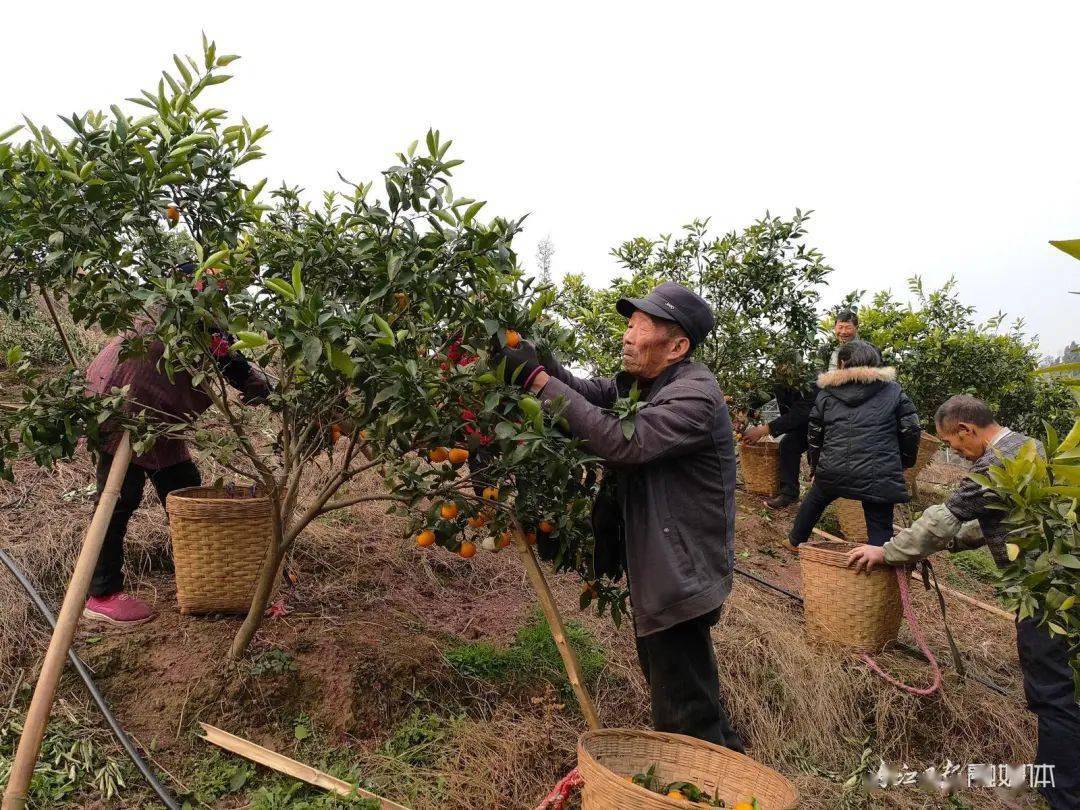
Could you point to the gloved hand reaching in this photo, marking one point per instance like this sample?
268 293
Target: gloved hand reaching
521 361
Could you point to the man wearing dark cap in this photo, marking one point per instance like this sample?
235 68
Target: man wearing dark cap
673 484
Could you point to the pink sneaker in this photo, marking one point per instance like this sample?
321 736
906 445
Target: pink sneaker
117 608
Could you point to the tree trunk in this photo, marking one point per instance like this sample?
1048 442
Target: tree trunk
259 600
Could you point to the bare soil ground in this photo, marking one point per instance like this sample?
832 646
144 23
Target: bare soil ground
420 673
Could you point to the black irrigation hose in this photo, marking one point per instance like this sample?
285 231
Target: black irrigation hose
910 650
84 673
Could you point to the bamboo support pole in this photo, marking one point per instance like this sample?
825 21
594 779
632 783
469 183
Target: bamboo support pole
555 623
37 717
290 767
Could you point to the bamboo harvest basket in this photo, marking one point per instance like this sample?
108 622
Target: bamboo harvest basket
860 611
928 446
852 519
220 539
761 467
607 757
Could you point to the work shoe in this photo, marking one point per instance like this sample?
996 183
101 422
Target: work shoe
117 608
794 549
781 501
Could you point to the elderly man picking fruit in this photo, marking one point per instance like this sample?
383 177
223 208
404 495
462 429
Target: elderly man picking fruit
969 519
674 480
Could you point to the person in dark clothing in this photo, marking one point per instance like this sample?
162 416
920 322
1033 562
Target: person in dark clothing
864 431
795 399
969 519
674 495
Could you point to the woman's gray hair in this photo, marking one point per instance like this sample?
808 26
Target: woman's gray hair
858 353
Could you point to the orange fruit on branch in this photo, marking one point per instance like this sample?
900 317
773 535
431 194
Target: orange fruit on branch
335 433
172 213
546 526
425 538
491 493
676 794
513 338
458 456
477 522
467 549
530 538
504 540
448 511
437 455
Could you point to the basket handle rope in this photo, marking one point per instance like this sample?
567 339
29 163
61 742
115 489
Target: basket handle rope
909 614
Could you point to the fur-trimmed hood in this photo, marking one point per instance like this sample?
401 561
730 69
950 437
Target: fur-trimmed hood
856 374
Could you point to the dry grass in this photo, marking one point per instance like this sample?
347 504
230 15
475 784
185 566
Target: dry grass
372 613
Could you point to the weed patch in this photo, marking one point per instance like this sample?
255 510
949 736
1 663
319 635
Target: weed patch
531 658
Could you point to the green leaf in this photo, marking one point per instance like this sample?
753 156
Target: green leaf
301 732
281 287
1072 440
1068 561
297 283
391 390
340 361
472 211
7 133
249 340
384 327
183 69
14 355
1070 246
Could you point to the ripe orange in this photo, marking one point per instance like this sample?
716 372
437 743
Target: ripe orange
335 433
477 522
491 493
530 538
458 456
401 300
467 549
448 511
425 538
513 339
676 794
172 212
504 540
437 455
743 806
546 526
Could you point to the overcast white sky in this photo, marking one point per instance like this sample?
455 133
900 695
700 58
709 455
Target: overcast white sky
932 138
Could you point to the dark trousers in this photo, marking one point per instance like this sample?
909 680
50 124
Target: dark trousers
879 517
1048 686
792 446
109 572
680 667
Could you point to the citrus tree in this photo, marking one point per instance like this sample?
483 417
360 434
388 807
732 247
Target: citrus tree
763 284
1041 495
379 313
940 349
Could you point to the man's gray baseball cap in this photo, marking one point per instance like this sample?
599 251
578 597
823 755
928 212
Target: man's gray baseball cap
673 302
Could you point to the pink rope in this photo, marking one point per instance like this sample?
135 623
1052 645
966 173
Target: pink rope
561 792
909 614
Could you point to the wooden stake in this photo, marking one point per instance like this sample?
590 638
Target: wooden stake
37 717
963 597
60 330
290 767
558 631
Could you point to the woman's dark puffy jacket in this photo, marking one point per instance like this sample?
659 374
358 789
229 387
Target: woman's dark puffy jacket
863 432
